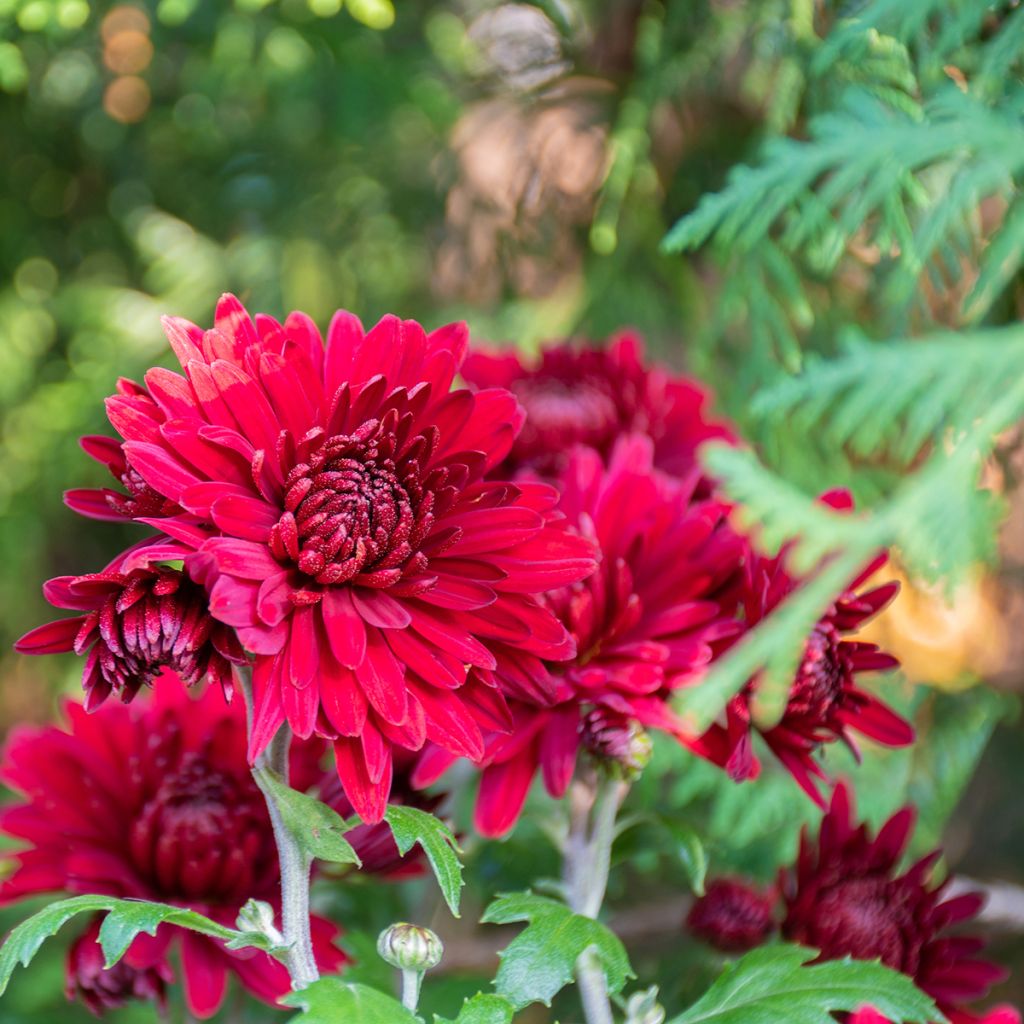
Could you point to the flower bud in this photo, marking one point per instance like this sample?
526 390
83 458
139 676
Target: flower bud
409 947
258 916
644 1008
732 916
618 742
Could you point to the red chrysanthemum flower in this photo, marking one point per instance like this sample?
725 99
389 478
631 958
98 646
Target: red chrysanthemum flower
337 502
108 988
825 703
153 801
141 619
645 623
583 395
732 915
1000 1015
846 897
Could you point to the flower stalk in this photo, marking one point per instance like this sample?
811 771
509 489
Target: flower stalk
594 803
297 953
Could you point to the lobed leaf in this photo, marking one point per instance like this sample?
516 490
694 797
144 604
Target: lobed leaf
410 826
333 1001
483 1008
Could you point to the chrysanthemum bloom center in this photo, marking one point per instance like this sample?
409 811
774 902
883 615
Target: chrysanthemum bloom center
818 688
202 835
159 620
351 511
563 413
865 918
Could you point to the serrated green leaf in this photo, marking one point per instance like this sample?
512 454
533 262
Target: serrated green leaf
318 829
689 850
410 826
779 983
333 1001
541 960
483 1008
124 921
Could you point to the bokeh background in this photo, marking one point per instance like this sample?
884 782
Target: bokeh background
513 164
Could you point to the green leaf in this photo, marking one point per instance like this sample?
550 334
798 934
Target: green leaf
689 850
124 921
541 960
410 826
333 1001
778 983
482 1009
319 830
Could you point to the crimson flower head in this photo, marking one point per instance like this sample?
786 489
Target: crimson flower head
732 915
826 703
1000 1015
155 801
644 624
140 620
592 396
339 507
107 988
847 897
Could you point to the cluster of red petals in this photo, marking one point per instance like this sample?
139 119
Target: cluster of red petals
644 624
593 396
999 1015
152 801
141 619
102 989
733 916
337 504
847 897
826 703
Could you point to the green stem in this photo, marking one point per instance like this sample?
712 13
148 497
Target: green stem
411 983
593 807
295 863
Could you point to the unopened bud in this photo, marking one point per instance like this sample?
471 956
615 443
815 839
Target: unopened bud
644 1008
733 916
619 743
258 916
409 947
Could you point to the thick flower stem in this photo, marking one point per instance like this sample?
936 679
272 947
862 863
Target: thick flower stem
411 983
295 862
593 806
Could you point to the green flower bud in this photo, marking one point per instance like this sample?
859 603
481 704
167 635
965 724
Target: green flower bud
257 916
644 1008
409 947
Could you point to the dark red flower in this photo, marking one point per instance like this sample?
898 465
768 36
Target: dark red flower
337 502
847 897
825 703
578 394
732 916
999 1015
645 623
141 619
101 988
153 801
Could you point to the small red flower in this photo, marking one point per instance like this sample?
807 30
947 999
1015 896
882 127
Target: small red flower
153 801
732 916
825 702
141 619
644 624
592 396
846 897
337 505
101 988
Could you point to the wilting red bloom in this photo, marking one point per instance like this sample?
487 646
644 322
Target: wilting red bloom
846 897
102 989
645 623
825 702
592 396
139 622
153 801
375 844
732 916
344 528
